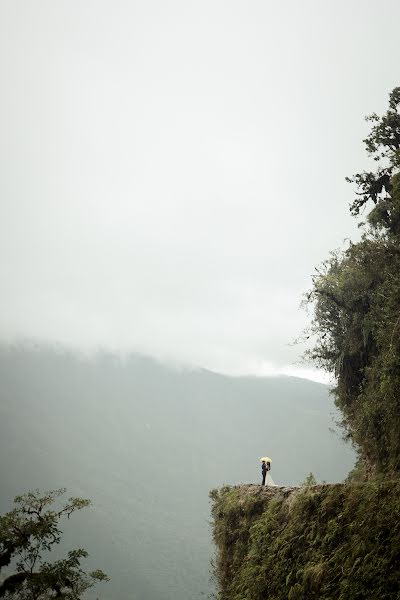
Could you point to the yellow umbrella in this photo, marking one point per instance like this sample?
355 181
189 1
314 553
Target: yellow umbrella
266 459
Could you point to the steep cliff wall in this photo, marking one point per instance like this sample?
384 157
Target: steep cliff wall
336 542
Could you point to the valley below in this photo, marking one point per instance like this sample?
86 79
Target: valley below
147 442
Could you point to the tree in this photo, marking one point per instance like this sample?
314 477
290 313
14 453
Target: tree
356 305
309 480
27 534
383 145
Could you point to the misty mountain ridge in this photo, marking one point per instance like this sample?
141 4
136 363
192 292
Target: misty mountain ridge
147 441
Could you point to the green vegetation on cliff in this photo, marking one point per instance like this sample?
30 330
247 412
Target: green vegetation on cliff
342 541
356 303
333 542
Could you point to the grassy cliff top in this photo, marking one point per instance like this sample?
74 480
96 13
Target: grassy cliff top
334 541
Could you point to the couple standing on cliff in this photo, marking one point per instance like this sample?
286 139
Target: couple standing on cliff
265 470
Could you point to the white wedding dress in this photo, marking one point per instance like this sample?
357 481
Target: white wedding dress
268 479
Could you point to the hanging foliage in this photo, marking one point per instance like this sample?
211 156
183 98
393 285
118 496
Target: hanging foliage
356 304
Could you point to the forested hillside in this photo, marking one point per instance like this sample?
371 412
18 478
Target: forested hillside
357 307
146 442
340 542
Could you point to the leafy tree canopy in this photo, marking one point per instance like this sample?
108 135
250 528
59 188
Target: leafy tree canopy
356 304
383 144
27 534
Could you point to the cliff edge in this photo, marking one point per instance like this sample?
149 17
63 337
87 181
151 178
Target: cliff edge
334 541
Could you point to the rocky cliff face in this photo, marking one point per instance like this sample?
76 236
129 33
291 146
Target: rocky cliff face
339 541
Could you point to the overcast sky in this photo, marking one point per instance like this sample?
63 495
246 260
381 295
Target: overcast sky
172 171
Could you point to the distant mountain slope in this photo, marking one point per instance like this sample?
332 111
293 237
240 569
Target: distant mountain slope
147 443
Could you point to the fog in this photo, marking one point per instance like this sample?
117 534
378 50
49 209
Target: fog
147 443
171 172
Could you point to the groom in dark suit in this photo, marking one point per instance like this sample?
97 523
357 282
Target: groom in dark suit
263 471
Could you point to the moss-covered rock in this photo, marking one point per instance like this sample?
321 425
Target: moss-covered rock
336 542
